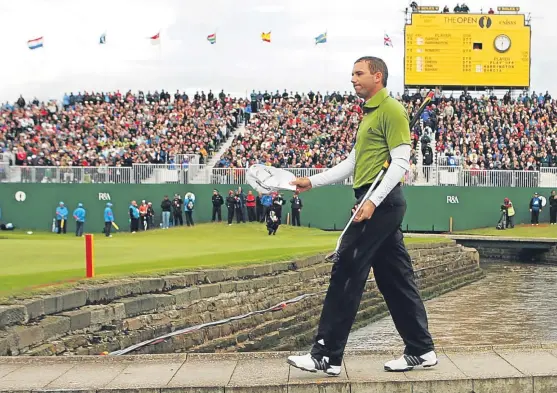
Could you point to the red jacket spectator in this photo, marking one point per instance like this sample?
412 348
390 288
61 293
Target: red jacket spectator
250 200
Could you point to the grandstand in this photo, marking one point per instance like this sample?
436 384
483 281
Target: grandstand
481 141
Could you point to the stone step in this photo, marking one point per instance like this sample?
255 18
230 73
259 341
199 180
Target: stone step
514 369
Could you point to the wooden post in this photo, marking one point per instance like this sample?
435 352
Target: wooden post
450 225
287 218
89 256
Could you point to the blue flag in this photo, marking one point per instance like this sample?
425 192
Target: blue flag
321 38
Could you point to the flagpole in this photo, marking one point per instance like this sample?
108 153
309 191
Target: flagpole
160 45
327 43
104 59
39 61
216 58
326 59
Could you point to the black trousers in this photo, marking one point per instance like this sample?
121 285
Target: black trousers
259 213
534 219
296 217
217 214
230 214
79 228
251 213
178 218
240 215
375 243
189 218
107 228
266 211
553 215
134 227
61 229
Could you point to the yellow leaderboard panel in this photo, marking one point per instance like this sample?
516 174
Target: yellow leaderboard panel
467 50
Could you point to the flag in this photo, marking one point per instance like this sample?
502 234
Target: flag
321 38
156 39
387 41
266 37
36 43
212 38
102 40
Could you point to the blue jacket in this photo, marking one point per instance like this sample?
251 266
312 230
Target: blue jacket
134 212
266 200
79 214
536 203
108 216
61 213
186 201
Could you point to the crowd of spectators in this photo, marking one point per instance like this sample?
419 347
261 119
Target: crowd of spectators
481 131
309 131
488 132
282 129
116 129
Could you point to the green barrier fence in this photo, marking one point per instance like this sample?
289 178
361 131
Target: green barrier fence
32 206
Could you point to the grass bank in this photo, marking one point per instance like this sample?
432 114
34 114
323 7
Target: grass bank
524 231
36 262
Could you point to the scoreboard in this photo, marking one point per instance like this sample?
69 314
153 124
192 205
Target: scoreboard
467 50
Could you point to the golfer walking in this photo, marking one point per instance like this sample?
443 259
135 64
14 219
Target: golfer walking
374 239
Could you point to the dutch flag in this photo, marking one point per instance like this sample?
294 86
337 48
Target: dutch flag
36 43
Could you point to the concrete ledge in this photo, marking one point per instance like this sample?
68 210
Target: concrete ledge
513 369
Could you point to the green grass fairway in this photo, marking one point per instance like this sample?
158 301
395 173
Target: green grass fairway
33 263
524 230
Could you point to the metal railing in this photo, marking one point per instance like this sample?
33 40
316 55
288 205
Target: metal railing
5 157
444 161
203 174
548 177
417 176
71 174
159 173
4 172
190 158
458 176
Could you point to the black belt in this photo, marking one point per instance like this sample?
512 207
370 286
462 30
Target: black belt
361 191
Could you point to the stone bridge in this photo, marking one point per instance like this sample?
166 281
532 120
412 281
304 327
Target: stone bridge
509 369
506 247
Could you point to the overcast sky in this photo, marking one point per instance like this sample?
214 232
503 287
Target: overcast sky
72 59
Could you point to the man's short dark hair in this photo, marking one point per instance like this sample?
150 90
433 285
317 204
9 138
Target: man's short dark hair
376 65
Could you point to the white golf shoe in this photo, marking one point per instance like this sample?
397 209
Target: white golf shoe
409 362
311 364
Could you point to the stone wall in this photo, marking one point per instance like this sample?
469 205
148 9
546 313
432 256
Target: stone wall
92 320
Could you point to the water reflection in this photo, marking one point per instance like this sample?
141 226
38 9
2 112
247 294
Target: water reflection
514 304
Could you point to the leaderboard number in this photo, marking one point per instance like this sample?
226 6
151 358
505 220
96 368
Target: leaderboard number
467 64
409 63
